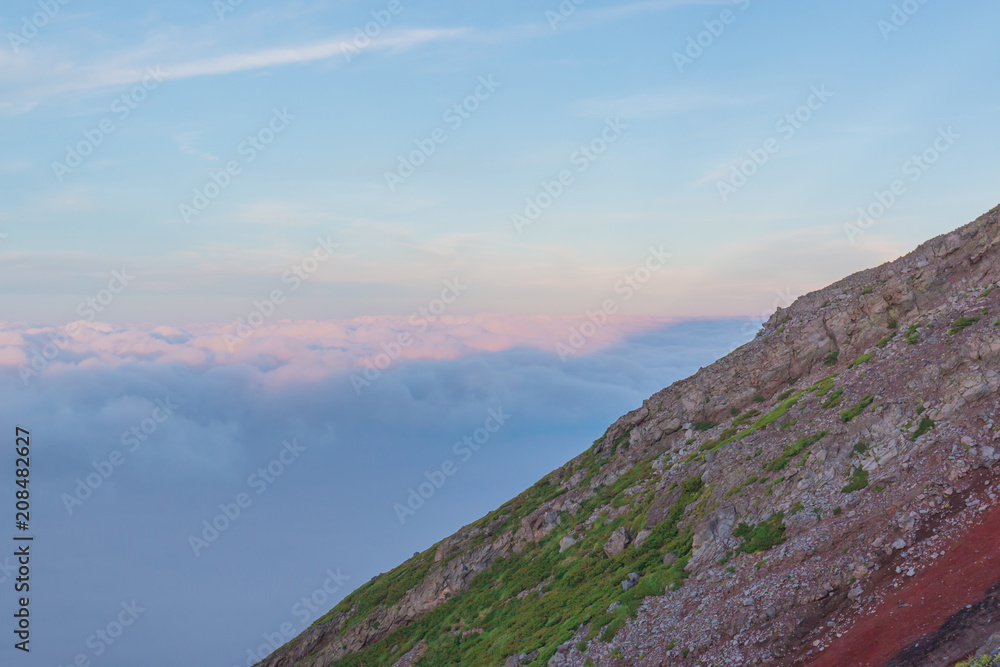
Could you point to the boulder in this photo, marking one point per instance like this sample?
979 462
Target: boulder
618 542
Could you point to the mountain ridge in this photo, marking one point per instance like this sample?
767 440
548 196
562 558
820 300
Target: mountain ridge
700 526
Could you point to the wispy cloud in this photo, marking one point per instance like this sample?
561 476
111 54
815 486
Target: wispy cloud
62 78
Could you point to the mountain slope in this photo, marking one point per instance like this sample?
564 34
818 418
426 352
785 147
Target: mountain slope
823 495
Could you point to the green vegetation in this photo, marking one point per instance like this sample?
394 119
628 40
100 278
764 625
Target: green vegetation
984 661
885 341
867 291
833 399
831 359
823 386
795 449
863 359
758 398
961 324
582 584
785 395
913 335
796 508
745 417
925 425
848 415
858 481
622 439
732 433
705 426
860 448
763 536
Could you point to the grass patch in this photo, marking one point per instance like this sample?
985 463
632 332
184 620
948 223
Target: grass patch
745 417
913 334
857 481
925 425
961 324
848 415
581 586
863 359
705 426
831 359
885 341
763 536
793 450
833 399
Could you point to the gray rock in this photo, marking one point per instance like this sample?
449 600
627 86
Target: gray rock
640 538
618 542
565 543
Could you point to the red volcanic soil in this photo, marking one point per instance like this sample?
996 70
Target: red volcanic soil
962 577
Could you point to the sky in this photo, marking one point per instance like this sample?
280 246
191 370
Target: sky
358 227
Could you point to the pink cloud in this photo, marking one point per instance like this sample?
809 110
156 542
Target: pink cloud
306 348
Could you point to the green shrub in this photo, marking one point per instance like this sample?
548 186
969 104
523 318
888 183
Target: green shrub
795 449
831 359
913 335
833 399
705 426
962 323
925 425
863 359
848 415
858 481
763 536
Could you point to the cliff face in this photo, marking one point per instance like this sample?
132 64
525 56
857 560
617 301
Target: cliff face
825 494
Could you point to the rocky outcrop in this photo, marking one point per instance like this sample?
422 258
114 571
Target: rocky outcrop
789 491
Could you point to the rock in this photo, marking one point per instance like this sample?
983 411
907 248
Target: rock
613 606
617 543
670 559
565 543
640 538
899 544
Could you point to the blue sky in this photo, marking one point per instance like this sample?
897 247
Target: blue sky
665 210
325 173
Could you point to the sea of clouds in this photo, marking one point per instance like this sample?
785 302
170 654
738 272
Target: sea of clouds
233 493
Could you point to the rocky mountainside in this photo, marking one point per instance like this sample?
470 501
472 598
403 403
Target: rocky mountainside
824 495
